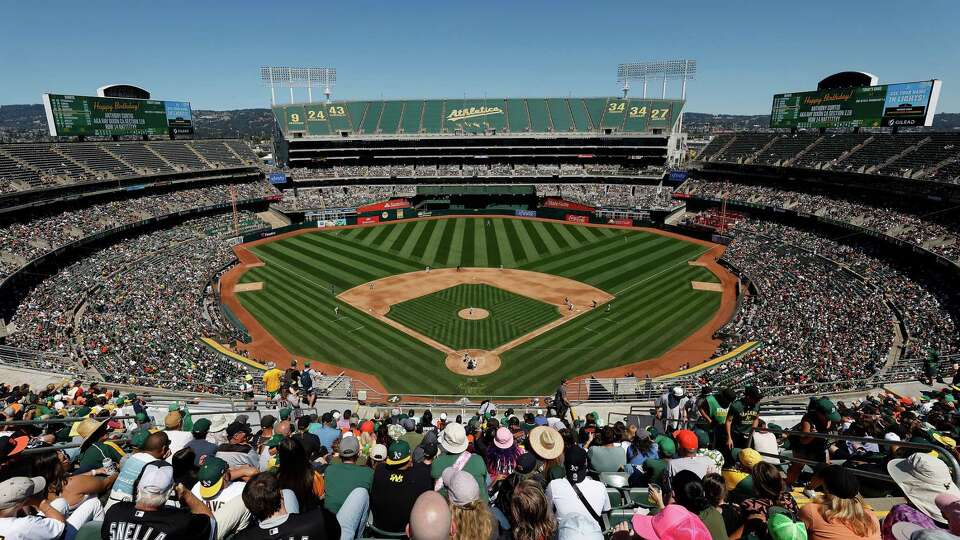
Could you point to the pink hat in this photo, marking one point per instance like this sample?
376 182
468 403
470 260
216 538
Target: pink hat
672 523
949 506
504 438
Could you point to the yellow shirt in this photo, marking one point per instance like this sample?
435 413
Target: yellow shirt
271 380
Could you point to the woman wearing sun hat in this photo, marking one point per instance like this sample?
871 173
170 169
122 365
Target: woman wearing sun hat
501 457
922 478
547 444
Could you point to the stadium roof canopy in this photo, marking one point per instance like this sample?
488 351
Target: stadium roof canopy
488 116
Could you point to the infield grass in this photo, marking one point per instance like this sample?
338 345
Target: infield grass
655 307
511 316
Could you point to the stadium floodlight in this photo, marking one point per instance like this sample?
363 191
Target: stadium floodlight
298 77
665 70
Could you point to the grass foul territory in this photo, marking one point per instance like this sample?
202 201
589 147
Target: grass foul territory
654 307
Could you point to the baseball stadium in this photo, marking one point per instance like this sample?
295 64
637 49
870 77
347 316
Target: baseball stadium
547 270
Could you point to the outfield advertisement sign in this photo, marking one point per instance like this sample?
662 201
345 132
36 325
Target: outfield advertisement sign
885 105
278 178
366 220
576 218
339 222
526 213
89 116
384 205
563 204
620 221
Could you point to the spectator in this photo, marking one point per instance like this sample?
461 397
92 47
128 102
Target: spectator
430 518
771 491
262 496
671 409
547 444
470 515
411 436
567 494
501 457
840 511
200 445
713 416
641 448
154 446
821 416
327 432
95 447
607 455
348 487
453 441
396 486
184 470
689 492
271 380
742 418
77 497
674 522
311 443
922 478
737 478
193 520
689 459
296 474
19 493
531 516
237 452
766 442
214 486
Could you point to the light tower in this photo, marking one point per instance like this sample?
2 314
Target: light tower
298 77
658 70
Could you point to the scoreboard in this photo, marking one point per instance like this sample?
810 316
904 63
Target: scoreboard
80 116
886 105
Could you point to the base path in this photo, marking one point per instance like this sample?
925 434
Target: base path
375 298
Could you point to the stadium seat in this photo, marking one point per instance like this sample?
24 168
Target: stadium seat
89 531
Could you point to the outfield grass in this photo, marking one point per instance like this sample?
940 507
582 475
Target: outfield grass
655 307
511 316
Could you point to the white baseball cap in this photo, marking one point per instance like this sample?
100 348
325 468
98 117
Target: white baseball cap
15 490
156 478
678 391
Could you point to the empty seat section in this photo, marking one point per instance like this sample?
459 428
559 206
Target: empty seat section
390 117
356 110
139 156
338 117
432 116
560 115
179 154
744 146
242 150
11 171
938 148
881 148
45 160
539 121
517 116
317 119
714 146
613 114
595 108
785 148
216 152
94 157
411 117
637 114
829 148
372 118
580 117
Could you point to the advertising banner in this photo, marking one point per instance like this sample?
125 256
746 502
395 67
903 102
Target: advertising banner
367 220
576 218
526 213
620 221
557 202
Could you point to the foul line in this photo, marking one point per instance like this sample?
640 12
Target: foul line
671 267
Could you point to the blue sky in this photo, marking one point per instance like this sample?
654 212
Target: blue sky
209 52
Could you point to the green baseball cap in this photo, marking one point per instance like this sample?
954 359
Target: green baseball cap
175 406
285 413
201 426
82 412
703 438
826 406
138 438
142 418
210 476
781 527
398 453
274 441
668 447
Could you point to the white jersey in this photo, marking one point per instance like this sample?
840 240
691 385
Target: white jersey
235 489
30 528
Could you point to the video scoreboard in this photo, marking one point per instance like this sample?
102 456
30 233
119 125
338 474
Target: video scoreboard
885 105
89 116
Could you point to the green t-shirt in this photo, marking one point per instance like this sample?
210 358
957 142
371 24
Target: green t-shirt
341 479
713 519
717 413
94 455
413 439
474 466
742 416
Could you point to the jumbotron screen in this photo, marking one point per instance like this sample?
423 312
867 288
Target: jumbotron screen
885 105
88 116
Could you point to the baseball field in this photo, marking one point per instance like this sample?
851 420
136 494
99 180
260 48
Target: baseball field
528 300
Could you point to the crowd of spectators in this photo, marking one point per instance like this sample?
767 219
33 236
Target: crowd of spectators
22 240
140 322
342 196
629 196
935 231
466 170
709 468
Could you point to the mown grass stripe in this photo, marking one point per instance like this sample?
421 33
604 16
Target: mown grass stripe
423 240
504 248
469 242
442 249
539 246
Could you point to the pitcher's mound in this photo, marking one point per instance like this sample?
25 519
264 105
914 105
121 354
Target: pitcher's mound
485 362
473 314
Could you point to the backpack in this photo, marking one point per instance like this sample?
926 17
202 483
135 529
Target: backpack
306 382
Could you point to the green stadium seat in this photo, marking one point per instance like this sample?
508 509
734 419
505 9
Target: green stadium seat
372 118
339 118
581 119
613 114
517 116
560 115
539 120
595 107
410 122
318 119
356 110
89 531
390 117
432 116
